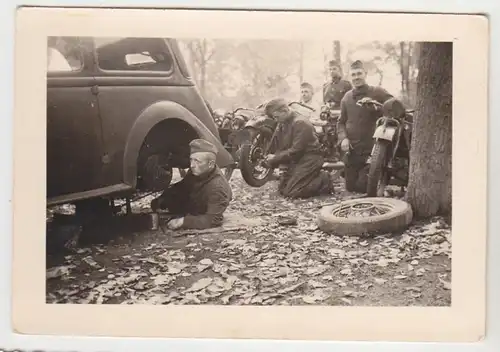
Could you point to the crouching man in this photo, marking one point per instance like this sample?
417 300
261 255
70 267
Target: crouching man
202 196
299 150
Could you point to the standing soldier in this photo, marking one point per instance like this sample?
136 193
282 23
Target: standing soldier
356 125
334 91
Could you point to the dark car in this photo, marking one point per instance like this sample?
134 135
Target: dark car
120 115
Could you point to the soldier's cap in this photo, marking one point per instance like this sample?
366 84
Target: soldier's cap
357 64
202 146
274 105
333 63
306 85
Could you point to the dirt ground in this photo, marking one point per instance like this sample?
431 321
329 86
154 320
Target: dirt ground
257 261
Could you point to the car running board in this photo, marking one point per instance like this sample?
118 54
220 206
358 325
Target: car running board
105 191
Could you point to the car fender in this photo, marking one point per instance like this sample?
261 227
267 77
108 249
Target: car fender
384 132
151 116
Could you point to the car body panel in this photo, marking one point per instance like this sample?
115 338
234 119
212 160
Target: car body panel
99 114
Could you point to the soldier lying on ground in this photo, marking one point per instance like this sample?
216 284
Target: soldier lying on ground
202 196
299 149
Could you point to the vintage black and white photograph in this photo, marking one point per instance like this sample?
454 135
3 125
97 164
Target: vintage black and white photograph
265 175
248 172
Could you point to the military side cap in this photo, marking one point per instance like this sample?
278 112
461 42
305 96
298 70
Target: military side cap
357 64
333 63
275 104
202 146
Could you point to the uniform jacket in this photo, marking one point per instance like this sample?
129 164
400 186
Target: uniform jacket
334 92
358 123
202 200
295 137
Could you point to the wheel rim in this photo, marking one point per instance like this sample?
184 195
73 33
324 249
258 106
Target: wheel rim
256 158
158 171
362 209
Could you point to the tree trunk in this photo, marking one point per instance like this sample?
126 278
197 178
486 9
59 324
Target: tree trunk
429 187
301 62
336 54
203 66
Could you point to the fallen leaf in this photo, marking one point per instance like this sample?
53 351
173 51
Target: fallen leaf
382 262
175 268
345 300
420 272
316 271
346 272
163 280
417 289
200 284
140 286
58 271
291 288
446 284
225 299
316 296
316 284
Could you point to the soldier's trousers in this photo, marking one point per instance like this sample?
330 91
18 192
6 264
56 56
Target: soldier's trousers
356 171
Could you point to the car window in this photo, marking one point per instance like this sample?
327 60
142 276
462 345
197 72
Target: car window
133 54
64 54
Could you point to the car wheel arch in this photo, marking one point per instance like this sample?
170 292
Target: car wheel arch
164 112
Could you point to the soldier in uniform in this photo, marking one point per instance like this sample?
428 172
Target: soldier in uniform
356 126
299 149
334 91
307 98
200 198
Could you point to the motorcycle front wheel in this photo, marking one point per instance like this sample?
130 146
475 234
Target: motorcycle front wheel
377 174
251 157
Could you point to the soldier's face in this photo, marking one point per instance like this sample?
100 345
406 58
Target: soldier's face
335 71
282 114
306 94
358 77
201 163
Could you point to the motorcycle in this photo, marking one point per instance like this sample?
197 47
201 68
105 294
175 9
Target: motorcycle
327 135
390 156
258 139
229 123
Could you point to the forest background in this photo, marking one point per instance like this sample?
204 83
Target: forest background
234 73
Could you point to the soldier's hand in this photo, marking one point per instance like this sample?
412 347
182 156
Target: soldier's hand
175 224
268 160
155 205
345 145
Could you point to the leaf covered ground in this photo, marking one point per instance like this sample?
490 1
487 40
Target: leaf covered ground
258 261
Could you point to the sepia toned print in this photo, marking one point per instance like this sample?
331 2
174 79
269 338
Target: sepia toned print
290 231
190 171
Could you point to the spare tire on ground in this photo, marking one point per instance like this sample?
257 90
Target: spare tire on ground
365 216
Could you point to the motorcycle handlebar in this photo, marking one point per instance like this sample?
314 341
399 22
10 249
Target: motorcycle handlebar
301 104
371 101
247 109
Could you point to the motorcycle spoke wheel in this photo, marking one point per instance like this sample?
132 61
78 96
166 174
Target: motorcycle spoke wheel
364 209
